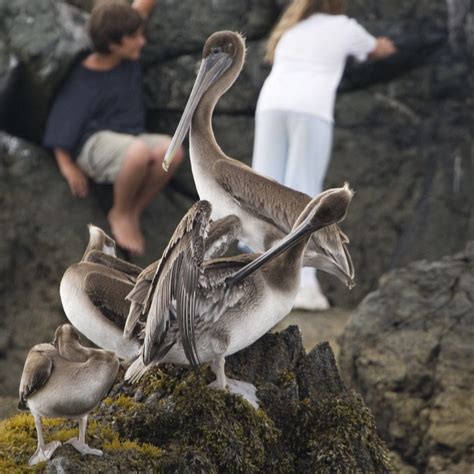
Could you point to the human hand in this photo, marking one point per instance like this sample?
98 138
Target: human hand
77 180
384 48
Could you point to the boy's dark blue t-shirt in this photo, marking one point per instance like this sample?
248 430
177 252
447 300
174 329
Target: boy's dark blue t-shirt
91 101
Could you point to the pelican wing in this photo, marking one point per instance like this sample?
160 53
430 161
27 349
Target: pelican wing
97 256
274 203
36 372
214 295
280 206
176 279
138 297
221 234
108 293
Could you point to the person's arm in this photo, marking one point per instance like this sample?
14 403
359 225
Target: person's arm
383 48
75 177
144 7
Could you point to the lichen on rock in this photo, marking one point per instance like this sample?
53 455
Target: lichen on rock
171 421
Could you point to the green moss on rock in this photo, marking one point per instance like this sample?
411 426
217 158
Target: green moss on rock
171 421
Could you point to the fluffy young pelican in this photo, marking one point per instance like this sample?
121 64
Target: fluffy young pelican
65 379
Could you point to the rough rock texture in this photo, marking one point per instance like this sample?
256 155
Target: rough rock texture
409 351
403 139
172 422
9 68
47 36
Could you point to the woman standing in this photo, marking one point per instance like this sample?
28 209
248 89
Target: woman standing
294 118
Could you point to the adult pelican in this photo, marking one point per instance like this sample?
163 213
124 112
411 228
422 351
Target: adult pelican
201 310
266 209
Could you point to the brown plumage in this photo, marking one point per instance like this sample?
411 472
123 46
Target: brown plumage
200 310
67 380
266 209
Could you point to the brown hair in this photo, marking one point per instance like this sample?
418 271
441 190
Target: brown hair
297 11
110 21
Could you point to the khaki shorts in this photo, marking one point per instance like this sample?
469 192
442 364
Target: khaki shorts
103 153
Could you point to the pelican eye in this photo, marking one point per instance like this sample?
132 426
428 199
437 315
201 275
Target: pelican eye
216 50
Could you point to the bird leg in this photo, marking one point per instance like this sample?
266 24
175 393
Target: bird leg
238 387
80 443
217 366
43 452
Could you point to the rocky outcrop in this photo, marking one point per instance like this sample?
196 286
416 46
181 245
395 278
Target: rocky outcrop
47 37
172 422
409 351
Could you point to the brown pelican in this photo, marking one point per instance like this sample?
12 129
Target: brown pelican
93 295
65 379
267 210
93 291
202 311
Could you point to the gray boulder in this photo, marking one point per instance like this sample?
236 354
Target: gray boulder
409 349
47 37
180 27
9 70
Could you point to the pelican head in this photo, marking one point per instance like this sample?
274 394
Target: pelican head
99 240
65 334
222 59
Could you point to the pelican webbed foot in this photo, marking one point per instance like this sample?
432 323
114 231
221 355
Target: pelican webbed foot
44 453
238 387
247 390
84 448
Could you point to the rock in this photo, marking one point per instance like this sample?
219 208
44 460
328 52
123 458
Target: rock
9 69
409 351
172 34
181 425
47 37
169 83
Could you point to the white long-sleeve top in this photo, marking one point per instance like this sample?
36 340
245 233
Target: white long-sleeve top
309 62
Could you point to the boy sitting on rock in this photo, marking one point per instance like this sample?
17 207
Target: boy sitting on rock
96 126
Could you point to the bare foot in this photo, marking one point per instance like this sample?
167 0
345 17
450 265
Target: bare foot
126 231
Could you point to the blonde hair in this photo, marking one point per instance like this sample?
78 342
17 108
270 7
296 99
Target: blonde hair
295 12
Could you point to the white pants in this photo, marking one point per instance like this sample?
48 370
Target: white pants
294 149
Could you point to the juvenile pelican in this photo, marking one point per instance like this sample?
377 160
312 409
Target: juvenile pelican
65 379
199 311
93 291
267 210
93 295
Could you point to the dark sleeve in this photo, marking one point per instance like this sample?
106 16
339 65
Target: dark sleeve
68 115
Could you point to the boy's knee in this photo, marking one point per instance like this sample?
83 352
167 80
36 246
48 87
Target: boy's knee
139 150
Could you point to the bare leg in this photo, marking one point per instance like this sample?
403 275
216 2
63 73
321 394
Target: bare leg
156 178
123 217
43 452
80 443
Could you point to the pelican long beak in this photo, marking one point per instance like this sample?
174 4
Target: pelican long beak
212 67
334 266
289 241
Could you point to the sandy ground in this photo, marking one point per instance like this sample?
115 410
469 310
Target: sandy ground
315 327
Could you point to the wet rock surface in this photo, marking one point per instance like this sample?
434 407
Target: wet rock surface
172 422
408 350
